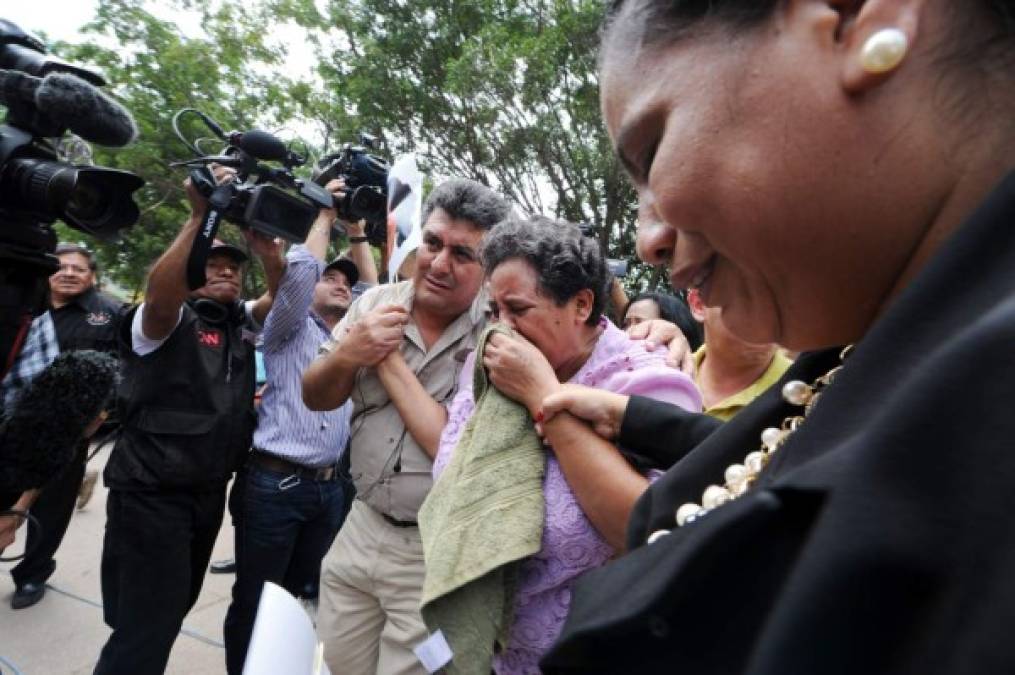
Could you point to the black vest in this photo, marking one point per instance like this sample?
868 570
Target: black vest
187 408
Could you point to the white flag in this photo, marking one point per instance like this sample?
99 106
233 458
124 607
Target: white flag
405 204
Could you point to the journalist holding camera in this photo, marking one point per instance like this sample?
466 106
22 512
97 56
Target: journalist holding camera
186 405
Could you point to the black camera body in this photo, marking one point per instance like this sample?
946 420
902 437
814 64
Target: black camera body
264 207
45 98
616 266
366 186
271 209
265 198
35 186
25 53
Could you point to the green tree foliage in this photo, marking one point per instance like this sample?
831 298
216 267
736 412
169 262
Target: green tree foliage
502 91
232 74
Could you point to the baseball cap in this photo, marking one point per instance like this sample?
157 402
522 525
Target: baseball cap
235 252
346 267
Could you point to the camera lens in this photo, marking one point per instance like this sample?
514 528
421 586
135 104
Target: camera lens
369 204
87 203
92 199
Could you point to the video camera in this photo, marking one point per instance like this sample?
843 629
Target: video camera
366 185
616 266
45 98
265 198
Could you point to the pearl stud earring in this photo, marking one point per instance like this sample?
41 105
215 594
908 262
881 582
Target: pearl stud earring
884 51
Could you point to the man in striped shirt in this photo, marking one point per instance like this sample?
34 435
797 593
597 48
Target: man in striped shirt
288 503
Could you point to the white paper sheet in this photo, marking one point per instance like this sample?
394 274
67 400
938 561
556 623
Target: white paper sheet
284 639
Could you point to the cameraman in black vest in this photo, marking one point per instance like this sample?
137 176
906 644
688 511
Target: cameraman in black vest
186 405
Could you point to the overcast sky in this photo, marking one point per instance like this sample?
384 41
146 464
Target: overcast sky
59 19
63 20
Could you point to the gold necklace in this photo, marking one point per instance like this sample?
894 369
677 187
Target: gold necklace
739 477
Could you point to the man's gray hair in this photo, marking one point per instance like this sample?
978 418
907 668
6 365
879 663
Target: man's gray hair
466 199
564 260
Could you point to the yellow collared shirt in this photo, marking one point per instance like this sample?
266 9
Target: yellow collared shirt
731 405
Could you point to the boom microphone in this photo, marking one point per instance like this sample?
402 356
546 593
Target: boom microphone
39 436
17 87
260 144
71 103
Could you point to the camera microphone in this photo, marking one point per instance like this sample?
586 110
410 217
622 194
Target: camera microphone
71 103
260 144
86 111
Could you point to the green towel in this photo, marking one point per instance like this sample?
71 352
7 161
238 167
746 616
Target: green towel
483 517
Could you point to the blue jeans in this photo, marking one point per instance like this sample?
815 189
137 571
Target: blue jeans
284 526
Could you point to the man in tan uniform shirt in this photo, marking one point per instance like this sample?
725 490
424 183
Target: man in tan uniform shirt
398 354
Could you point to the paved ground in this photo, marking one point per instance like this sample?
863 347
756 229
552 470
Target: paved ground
64 633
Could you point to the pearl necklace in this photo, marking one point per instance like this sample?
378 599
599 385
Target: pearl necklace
740 477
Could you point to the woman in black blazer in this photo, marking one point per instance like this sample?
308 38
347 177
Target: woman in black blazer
835 176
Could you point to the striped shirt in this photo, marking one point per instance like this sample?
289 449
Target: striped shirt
292 333
39 350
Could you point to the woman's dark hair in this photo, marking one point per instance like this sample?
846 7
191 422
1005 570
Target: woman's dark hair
656 19
565 261
674 310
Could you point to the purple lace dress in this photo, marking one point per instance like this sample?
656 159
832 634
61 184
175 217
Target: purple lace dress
571 545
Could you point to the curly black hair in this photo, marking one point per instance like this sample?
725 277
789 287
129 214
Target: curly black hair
56 406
